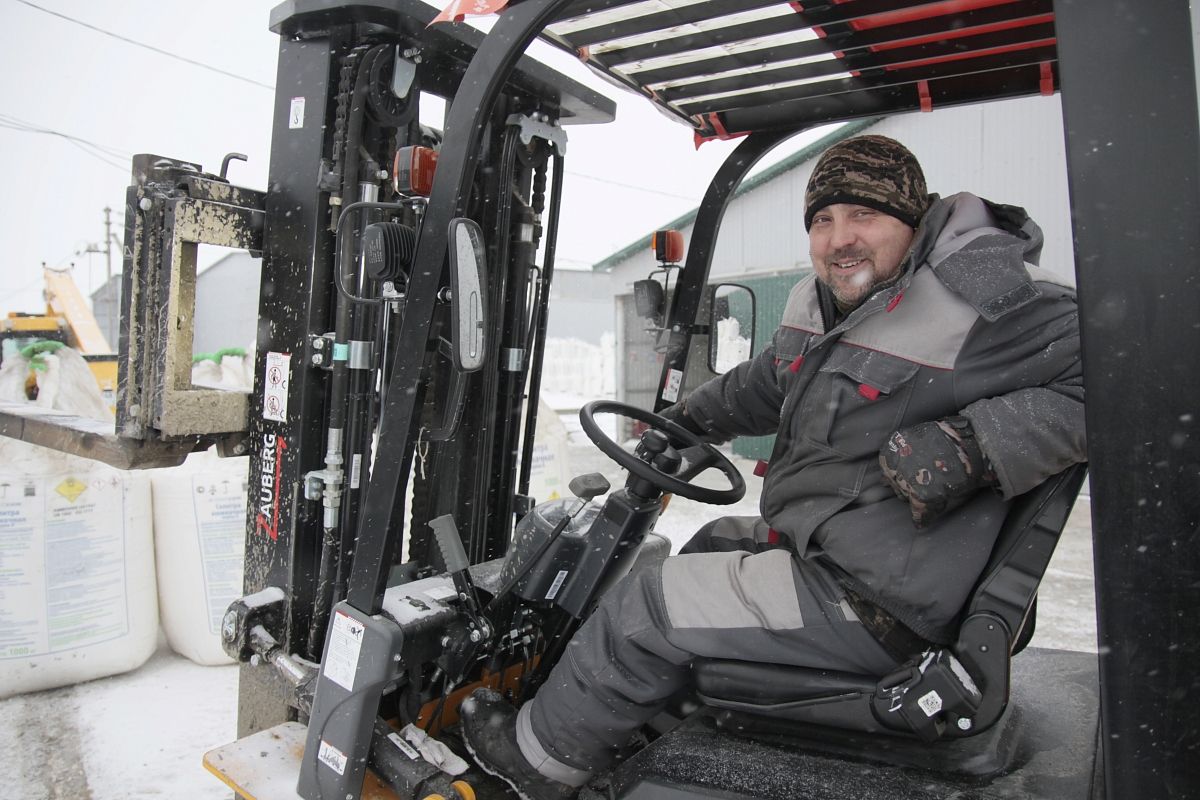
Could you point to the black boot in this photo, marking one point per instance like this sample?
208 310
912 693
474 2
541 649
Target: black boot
489 729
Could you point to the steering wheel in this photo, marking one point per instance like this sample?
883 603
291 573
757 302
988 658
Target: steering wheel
699 454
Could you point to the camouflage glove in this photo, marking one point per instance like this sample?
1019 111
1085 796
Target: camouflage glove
935 467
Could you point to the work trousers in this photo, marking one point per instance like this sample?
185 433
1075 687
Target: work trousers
732 593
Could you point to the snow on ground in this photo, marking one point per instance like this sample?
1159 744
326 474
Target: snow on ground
142 735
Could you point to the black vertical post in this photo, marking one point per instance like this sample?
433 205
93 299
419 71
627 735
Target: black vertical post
1133 148
689 291
287 438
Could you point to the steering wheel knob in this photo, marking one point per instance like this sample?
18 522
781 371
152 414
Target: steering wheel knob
653 443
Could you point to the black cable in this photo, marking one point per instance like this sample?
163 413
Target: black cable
149 47
441 705
630 186
98 151
374 301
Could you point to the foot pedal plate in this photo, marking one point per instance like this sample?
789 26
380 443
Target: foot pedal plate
266 765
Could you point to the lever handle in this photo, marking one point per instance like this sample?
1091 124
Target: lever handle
448 539
589 486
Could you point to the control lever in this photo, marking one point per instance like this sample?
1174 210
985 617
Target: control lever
587 488
455 557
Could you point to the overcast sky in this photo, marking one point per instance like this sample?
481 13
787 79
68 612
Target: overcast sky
117 98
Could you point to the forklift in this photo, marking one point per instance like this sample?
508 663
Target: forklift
395 559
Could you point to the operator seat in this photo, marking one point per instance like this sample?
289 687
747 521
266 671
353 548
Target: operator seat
946 692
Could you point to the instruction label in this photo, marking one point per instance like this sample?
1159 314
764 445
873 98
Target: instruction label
670 392
276 378
403 746
331 757
345 644
219 505
62 538
296 113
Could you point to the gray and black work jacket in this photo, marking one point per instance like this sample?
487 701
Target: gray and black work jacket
972 327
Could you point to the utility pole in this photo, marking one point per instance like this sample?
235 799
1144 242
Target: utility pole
107 244
111 302
108 240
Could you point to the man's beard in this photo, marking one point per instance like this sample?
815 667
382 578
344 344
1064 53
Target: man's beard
851 291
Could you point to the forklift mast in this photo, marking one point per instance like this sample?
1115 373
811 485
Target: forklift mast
322 520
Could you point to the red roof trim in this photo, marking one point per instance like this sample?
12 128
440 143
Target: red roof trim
990 51
960 33
923 12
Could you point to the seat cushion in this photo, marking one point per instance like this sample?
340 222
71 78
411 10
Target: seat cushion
768 684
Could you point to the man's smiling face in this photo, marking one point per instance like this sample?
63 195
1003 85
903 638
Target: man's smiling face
856 248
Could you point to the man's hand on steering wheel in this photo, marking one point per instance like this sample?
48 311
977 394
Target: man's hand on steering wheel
678 414
697 454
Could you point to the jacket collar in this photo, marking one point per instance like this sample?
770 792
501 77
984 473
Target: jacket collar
978 249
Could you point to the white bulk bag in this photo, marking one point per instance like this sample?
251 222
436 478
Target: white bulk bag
77 593
199 540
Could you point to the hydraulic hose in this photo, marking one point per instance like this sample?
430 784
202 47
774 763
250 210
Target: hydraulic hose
540 316
485 512
344 270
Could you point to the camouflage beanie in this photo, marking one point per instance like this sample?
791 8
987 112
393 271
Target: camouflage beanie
872 171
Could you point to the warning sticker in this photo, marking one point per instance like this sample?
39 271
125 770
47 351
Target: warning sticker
670 392
275 386
558 582
345 644
296 113
71 488
331 757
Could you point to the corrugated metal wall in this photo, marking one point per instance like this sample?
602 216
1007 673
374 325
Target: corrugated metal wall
771 294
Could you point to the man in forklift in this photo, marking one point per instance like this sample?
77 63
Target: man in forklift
924 376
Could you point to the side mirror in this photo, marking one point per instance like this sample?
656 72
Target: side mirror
468 307
648 300
730 326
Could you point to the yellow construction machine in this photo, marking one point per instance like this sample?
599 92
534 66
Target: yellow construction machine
67 319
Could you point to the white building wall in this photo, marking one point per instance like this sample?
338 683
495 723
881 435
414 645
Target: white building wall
580 307
227 303
1010 151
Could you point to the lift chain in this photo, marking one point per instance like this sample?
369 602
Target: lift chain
331 179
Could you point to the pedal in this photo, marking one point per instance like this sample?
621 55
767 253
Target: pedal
264 765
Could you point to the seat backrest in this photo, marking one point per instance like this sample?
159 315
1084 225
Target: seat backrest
1009 583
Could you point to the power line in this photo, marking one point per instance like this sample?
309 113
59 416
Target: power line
21 124
628 186
149 47
98 151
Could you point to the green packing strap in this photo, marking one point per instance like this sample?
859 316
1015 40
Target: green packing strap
217 356
33 351
41 346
